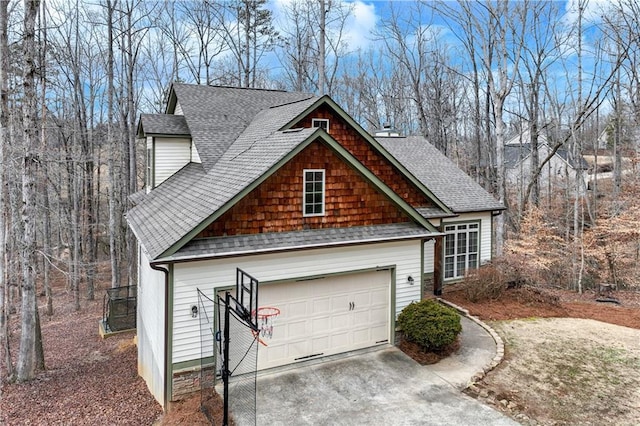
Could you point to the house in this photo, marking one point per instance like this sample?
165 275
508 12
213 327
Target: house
559 172
343 230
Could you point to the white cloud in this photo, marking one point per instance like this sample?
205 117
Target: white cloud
593 10
360 24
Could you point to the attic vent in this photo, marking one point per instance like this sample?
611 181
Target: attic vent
387 131
292 130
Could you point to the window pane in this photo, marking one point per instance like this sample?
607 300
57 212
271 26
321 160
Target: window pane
462 227
317 187
448 267
308 209
473 261
449 228
317 198
308 176
308 187
473 242
461 265
449 245
318 177
462 243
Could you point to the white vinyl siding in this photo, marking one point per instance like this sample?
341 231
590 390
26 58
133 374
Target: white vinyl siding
170 155
195 157
210 274
178 109
150 327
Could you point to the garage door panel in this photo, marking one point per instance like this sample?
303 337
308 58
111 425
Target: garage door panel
294 329
362 298
321 305
339 341
340 302
296 309
379 296
326 316
320 345
298 349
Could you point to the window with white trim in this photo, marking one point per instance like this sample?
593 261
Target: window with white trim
323 123
461 249
313 194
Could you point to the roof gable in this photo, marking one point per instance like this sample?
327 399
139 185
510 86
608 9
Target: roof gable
187 203
374 144
276 205
217 116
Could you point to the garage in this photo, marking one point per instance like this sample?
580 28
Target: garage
325 316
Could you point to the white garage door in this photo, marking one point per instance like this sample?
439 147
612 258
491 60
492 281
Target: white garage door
325 316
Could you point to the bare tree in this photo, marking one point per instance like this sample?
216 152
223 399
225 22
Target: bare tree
5 357
27 360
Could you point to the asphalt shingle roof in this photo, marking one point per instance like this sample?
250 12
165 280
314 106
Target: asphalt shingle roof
164 124
236 132
308 238
514 154
216 116
189 197
444 179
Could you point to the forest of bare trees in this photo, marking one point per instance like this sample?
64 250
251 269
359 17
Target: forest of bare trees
75 76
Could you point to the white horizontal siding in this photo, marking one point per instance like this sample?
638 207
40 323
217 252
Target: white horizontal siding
178 109
195 157
485 231
429 256
171 154
150 327
211 274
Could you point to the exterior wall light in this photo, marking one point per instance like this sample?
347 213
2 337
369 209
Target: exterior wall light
410 280
194 311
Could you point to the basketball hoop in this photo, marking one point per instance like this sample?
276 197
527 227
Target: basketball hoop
266 319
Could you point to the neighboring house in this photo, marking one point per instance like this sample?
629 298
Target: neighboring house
343 230
559 173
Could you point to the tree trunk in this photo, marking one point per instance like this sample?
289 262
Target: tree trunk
27 361
114 231
5 357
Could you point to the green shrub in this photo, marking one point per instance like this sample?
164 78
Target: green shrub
429 324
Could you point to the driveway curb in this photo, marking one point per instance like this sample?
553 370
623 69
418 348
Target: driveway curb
497 359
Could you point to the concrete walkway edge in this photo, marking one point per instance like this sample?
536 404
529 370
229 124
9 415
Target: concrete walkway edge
499 343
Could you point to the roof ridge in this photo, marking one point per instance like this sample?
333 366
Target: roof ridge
311 95
216 86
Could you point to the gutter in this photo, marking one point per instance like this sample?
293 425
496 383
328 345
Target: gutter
166 330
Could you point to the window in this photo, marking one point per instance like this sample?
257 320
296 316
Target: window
323 123
313 194
461 249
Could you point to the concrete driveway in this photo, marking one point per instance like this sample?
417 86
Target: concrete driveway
376 387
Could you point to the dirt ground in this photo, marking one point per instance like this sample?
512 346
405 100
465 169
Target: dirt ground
569 359
88 380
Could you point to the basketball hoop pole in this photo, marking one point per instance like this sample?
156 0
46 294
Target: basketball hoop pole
225 361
